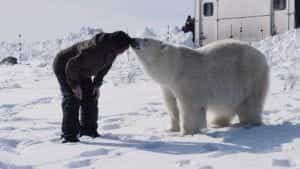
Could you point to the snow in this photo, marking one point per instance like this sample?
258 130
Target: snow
133 120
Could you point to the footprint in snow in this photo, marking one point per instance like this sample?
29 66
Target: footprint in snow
116 154
150 109
7 110
79 164
282 163
44 100
12 166
53 123
110 126
155 103
8 106
98 152
22 119
43 128
183 163
267 112
206 167
8 128
113 120
27 143
13 86
9 143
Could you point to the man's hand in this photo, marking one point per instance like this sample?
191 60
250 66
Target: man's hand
77 92
96 92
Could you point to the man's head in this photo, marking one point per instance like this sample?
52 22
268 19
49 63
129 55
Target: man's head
119 41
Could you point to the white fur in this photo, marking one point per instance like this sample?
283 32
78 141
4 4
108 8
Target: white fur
227 77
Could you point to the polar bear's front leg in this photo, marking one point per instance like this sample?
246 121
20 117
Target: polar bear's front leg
171 104
192 116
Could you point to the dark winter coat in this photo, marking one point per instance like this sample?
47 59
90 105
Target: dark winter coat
90 58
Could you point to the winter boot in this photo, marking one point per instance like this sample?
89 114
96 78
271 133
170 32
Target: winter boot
70 123
69 139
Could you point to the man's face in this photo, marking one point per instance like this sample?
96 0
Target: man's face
120 42
122 49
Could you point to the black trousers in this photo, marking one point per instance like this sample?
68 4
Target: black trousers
78 115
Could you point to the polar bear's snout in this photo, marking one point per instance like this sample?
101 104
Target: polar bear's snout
137 43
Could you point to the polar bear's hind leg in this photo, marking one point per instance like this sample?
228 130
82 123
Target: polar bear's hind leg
249 112
251 109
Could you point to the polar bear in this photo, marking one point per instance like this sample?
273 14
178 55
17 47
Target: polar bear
227 77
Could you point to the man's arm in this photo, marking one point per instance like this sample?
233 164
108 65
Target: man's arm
72 71
100 75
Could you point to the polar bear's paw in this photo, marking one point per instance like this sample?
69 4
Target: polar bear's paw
174 129
174 126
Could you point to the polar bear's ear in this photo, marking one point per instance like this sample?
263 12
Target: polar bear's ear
163 46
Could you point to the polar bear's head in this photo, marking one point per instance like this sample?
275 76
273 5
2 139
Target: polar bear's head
155 56
149 50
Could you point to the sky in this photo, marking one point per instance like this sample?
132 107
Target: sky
50 19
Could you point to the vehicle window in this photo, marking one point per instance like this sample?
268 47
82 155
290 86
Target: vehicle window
279 4
208 9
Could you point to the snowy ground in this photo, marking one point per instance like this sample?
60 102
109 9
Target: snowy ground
133 119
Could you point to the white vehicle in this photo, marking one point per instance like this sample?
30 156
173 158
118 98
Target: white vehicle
247 20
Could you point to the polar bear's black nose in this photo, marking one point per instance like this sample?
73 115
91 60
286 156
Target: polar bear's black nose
135 43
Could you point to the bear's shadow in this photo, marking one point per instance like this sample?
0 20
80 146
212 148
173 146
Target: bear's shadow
170 147
261 139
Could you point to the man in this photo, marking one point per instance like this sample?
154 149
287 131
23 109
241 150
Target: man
189 26
80 70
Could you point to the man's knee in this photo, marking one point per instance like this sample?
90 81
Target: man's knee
70 102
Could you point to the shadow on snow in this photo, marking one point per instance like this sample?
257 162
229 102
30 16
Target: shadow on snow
261 139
